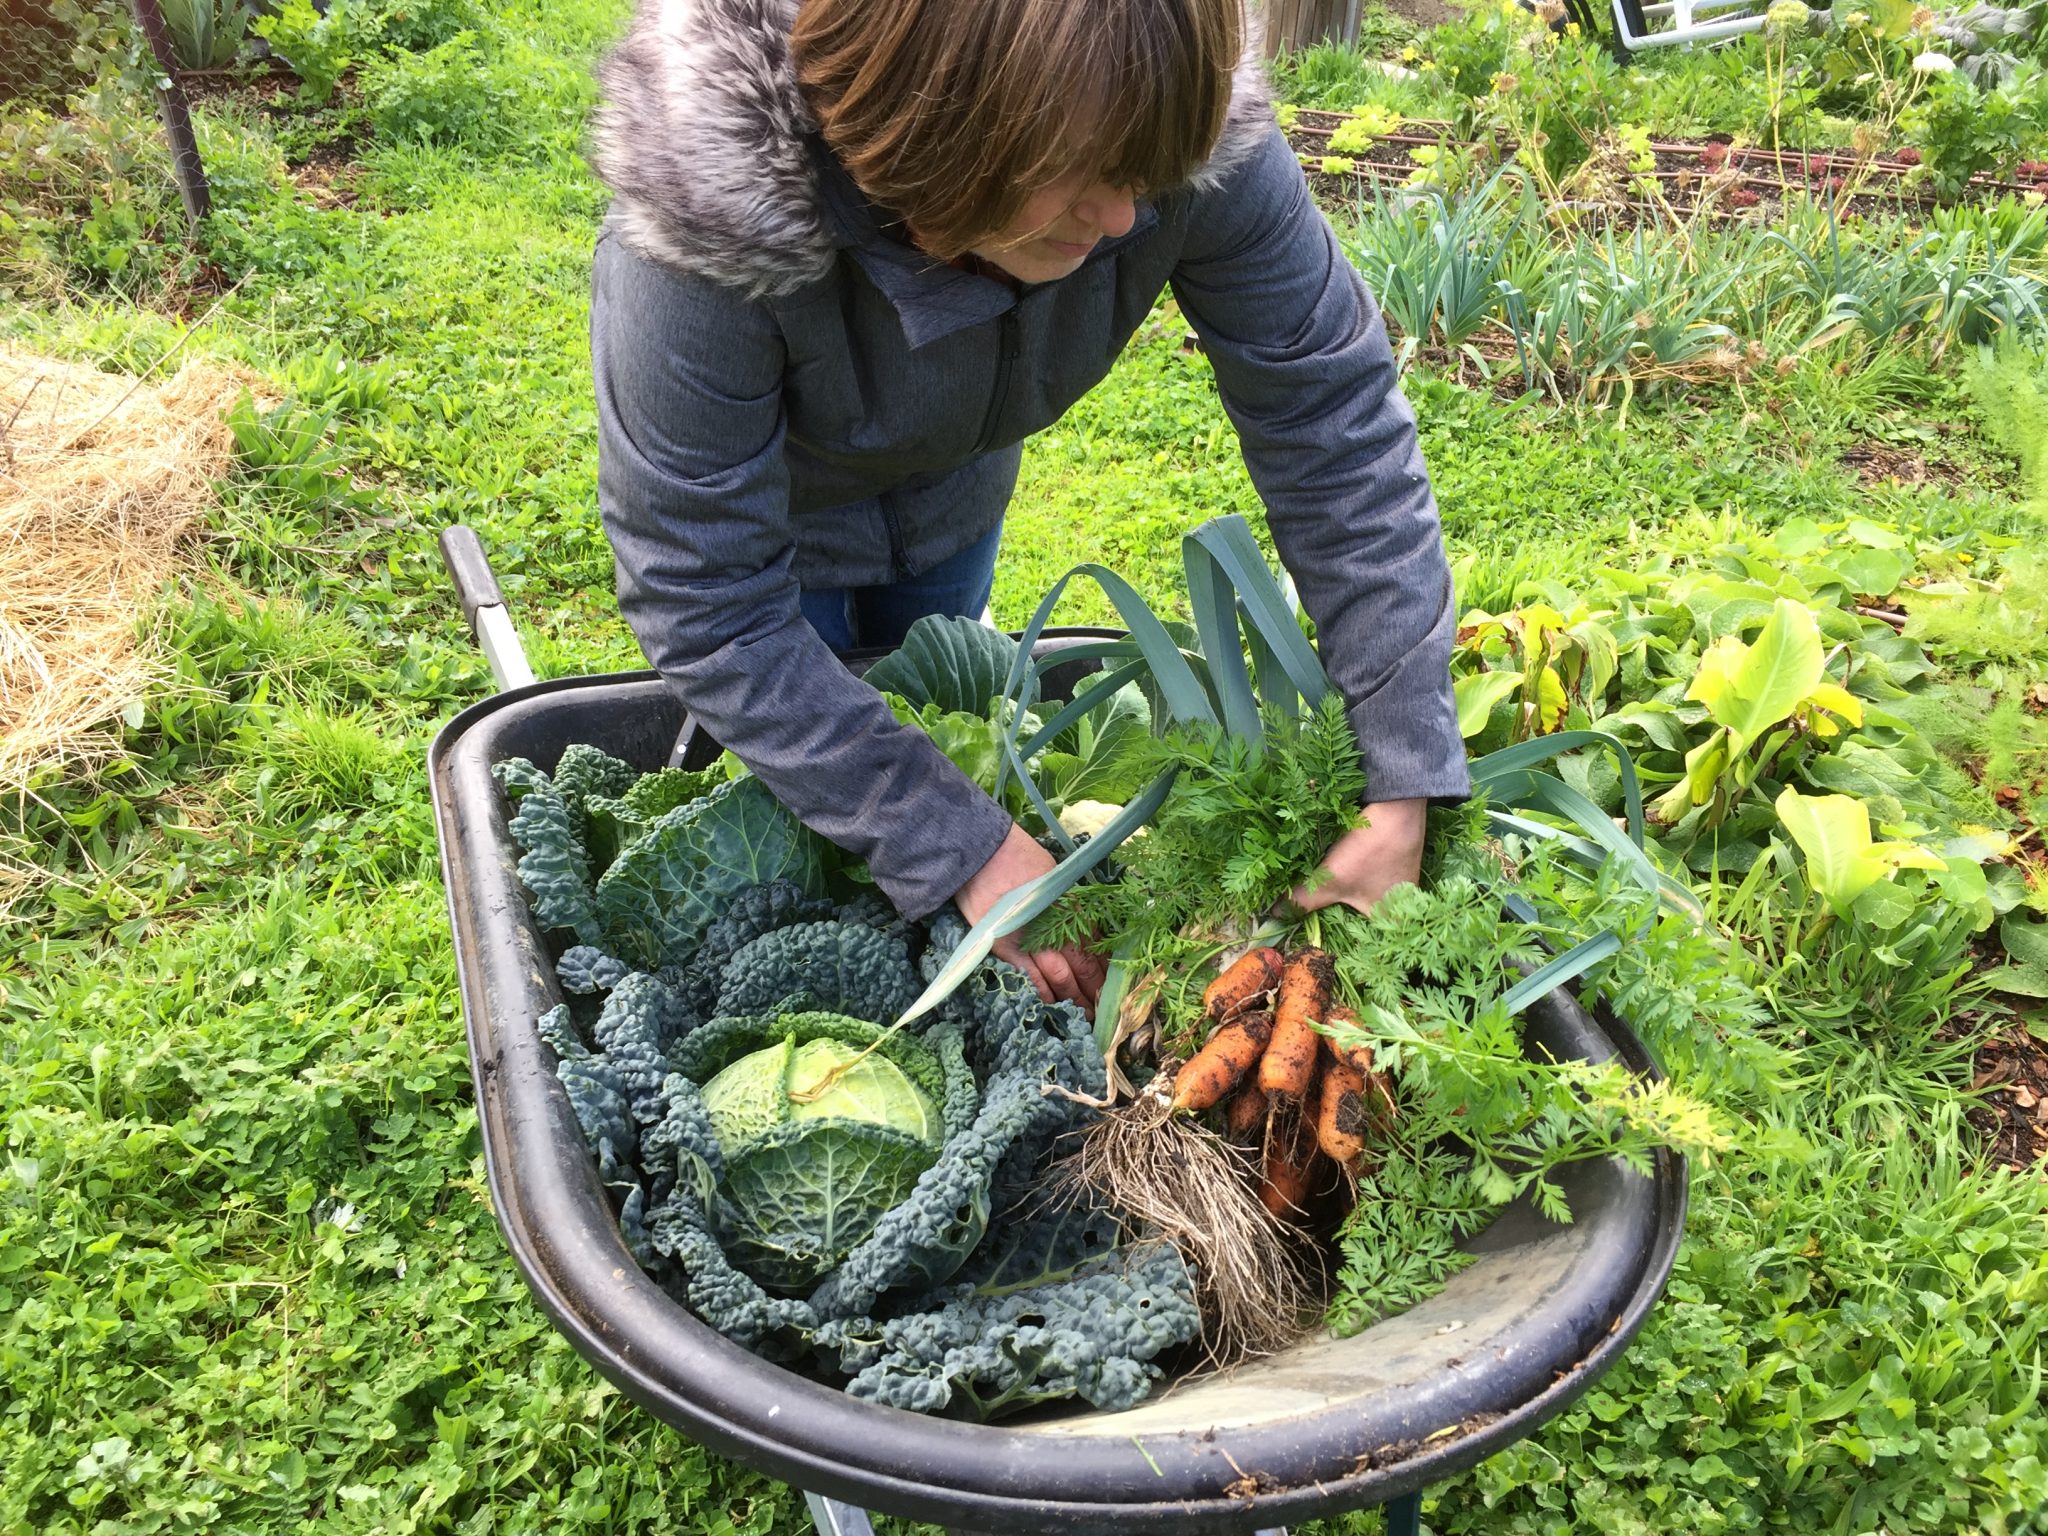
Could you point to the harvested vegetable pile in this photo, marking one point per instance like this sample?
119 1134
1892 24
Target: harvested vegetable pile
874 1212
856 1144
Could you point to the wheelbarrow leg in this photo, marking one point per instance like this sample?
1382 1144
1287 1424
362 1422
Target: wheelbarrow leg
833 1518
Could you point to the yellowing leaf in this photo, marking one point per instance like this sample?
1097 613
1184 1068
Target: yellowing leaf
1836 700
1833 832
1704 764
1539 620
1907 856
1750 688
1551 703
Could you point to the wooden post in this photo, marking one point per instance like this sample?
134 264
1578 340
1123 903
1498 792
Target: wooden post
186 166
1292 25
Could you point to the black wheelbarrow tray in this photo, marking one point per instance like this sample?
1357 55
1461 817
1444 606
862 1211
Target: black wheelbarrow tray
1326 1426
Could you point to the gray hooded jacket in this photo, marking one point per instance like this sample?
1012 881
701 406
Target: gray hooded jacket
790 395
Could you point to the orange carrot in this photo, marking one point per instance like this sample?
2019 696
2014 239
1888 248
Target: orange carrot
1341 1117
1242 984
1285 1179
1223 1063
1377 1096
1243 1111
1356 1056
1303 998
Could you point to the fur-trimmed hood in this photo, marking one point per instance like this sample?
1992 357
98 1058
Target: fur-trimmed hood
703 137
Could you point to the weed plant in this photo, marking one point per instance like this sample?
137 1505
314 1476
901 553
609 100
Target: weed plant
2010 388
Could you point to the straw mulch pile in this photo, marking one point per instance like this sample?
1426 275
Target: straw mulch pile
101 477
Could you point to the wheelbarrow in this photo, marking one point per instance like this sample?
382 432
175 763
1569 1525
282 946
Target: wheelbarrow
1328 1425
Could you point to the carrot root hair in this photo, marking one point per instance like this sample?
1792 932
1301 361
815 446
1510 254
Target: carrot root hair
1169 1173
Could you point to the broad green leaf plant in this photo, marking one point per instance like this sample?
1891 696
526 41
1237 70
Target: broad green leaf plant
1762 697
1842 862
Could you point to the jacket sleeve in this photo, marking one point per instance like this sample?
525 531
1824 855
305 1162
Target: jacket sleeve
1309 381
695 496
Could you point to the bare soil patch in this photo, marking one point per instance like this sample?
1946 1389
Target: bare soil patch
1886 464
2012 1116
268 86
329 175
1424 13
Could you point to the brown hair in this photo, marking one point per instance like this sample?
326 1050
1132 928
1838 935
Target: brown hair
952 113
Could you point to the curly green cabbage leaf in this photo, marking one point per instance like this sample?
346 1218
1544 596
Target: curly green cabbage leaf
837 967
670 884
971 739
554 867
617 820
1091 1333
950 664
1113 756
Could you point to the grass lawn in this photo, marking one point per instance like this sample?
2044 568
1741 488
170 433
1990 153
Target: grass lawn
250 1280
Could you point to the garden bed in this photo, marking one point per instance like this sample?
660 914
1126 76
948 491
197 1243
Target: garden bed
1708 176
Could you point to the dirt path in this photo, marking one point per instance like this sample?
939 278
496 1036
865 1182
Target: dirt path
1424 13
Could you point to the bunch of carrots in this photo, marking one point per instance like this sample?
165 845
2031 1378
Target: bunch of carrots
1305 1102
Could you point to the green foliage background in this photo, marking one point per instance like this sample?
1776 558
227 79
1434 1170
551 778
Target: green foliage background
249 1277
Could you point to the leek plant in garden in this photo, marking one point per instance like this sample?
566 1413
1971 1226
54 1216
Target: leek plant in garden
1488 279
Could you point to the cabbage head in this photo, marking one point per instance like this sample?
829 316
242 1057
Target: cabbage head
807 1174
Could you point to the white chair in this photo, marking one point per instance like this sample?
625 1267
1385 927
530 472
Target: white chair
1638 26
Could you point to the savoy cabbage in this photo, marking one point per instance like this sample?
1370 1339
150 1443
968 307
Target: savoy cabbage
893 1231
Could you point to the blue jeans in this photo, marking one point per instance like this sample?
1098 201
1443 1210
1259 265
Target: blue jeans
858 618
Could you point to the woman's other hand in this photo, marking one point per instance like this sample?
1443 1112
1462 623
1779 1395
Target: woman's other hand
1363 865
1070 974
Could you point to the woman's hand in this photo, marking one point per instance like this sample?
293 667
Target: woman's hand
1363 865
1071 974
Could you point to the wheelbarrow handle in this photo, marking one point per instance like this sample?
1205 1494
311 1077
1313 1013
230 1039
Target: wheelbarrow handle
483 606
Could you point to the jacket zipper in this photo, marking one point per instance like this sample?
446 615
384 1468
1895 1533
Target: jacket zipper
1011 344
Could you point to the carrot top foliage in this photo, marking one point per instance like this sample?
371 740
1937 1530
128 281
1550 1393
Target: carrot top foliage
1235 836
